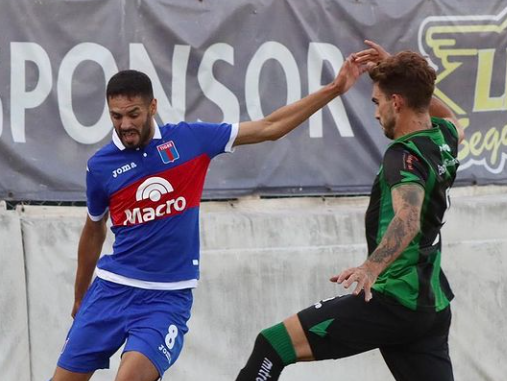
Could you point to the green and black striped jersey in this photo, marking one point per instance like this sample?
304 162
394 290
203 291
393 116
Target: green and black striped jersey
427 158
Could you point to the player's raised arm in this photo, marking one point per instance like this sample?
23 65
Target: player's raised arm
285 119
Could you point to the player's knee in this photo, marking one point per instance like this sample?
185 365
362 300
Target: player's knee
279 340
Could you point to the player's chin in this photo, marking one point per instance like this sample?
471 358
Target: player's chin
131 143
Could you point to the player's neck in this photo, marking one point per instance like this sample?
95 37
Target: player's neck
409 122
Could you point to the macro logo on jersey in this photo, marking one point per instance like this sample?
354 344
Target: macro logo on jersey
154 189
470 52
160 196
168 152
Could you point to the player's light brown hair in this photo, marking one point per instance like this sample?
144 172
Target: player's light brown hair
407 74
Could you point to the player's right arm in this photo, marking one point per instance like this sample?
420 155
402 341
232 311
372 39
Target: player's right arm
89 249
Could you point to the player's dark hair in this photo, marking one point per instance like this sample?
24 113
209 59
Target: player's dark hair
409 75
130 83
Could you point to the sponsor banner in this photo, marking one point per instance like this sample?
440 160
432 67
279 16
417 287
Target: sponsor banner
223 61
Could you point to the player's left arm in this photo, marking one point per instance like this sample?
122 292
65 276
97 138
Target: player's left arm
407 204
285 119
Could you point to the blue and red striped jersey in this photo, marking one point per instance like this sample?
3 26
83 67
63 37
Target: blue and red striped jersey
153 195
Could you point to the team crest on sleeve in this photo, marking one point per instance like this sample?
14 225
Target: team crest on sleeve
168 152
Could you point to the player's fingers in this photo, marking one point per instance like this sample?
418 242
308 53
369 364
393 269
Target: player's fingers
377 47
344 275
359 287
351 59
351 279
373 45
367 292
366 54
362 59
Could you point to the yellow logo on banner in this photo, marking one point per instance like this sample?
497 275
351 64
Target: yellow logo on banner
469 54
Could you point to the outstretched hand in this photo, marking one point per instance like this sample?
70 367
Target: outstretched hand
349 73
363 276
371 56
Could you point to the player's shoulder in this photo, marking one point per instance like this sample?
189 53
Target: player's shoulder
174 128
198 128
397 148
446 125
195 125
401 152
100 157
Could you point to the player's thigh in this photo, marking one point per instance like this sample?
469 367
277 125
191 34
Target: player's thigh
298 338
65 375
406 365
158 327
98 329
348 325
425 358
135 366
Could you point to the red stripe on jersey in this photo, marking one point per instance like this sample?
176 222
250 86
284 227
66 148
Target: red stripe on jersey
160 195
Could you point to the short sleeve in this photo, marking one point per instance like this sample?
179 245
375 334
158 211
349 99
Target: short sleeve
449 132
215 138
403 167
96 198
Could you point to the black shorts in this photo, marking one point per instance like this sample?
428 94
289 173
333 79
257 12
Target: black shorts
414 344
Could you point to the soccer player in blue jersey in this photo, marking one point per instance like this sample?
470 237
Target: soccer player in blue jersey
149 181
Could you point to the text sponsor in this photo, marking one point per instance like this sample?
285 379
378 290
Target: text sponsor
123 169
154 189
140 215
28 94
166 353
265 371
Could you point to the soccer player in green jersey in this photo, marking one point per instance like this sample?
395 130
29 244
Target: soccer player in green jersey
400 302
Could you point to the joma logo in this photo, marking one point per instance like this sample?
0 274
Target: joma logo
123 169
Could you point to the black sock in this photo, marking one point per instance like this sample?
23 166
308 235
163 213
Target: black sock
264 363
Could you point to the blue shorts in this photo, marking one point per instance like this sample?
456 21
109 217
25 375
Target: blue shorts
152 322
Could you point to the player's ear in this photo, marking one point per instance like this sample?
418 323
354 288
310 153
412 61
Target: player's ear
398 102
153 106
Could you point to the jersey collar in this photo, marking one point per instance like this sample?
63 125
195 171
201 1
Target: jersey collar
117 141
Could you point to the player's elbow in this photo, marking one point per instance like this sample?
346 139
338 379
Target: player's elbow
279 130
273 136
272 132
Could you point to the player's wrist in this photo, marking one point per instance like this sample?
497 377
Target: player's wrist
373 268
